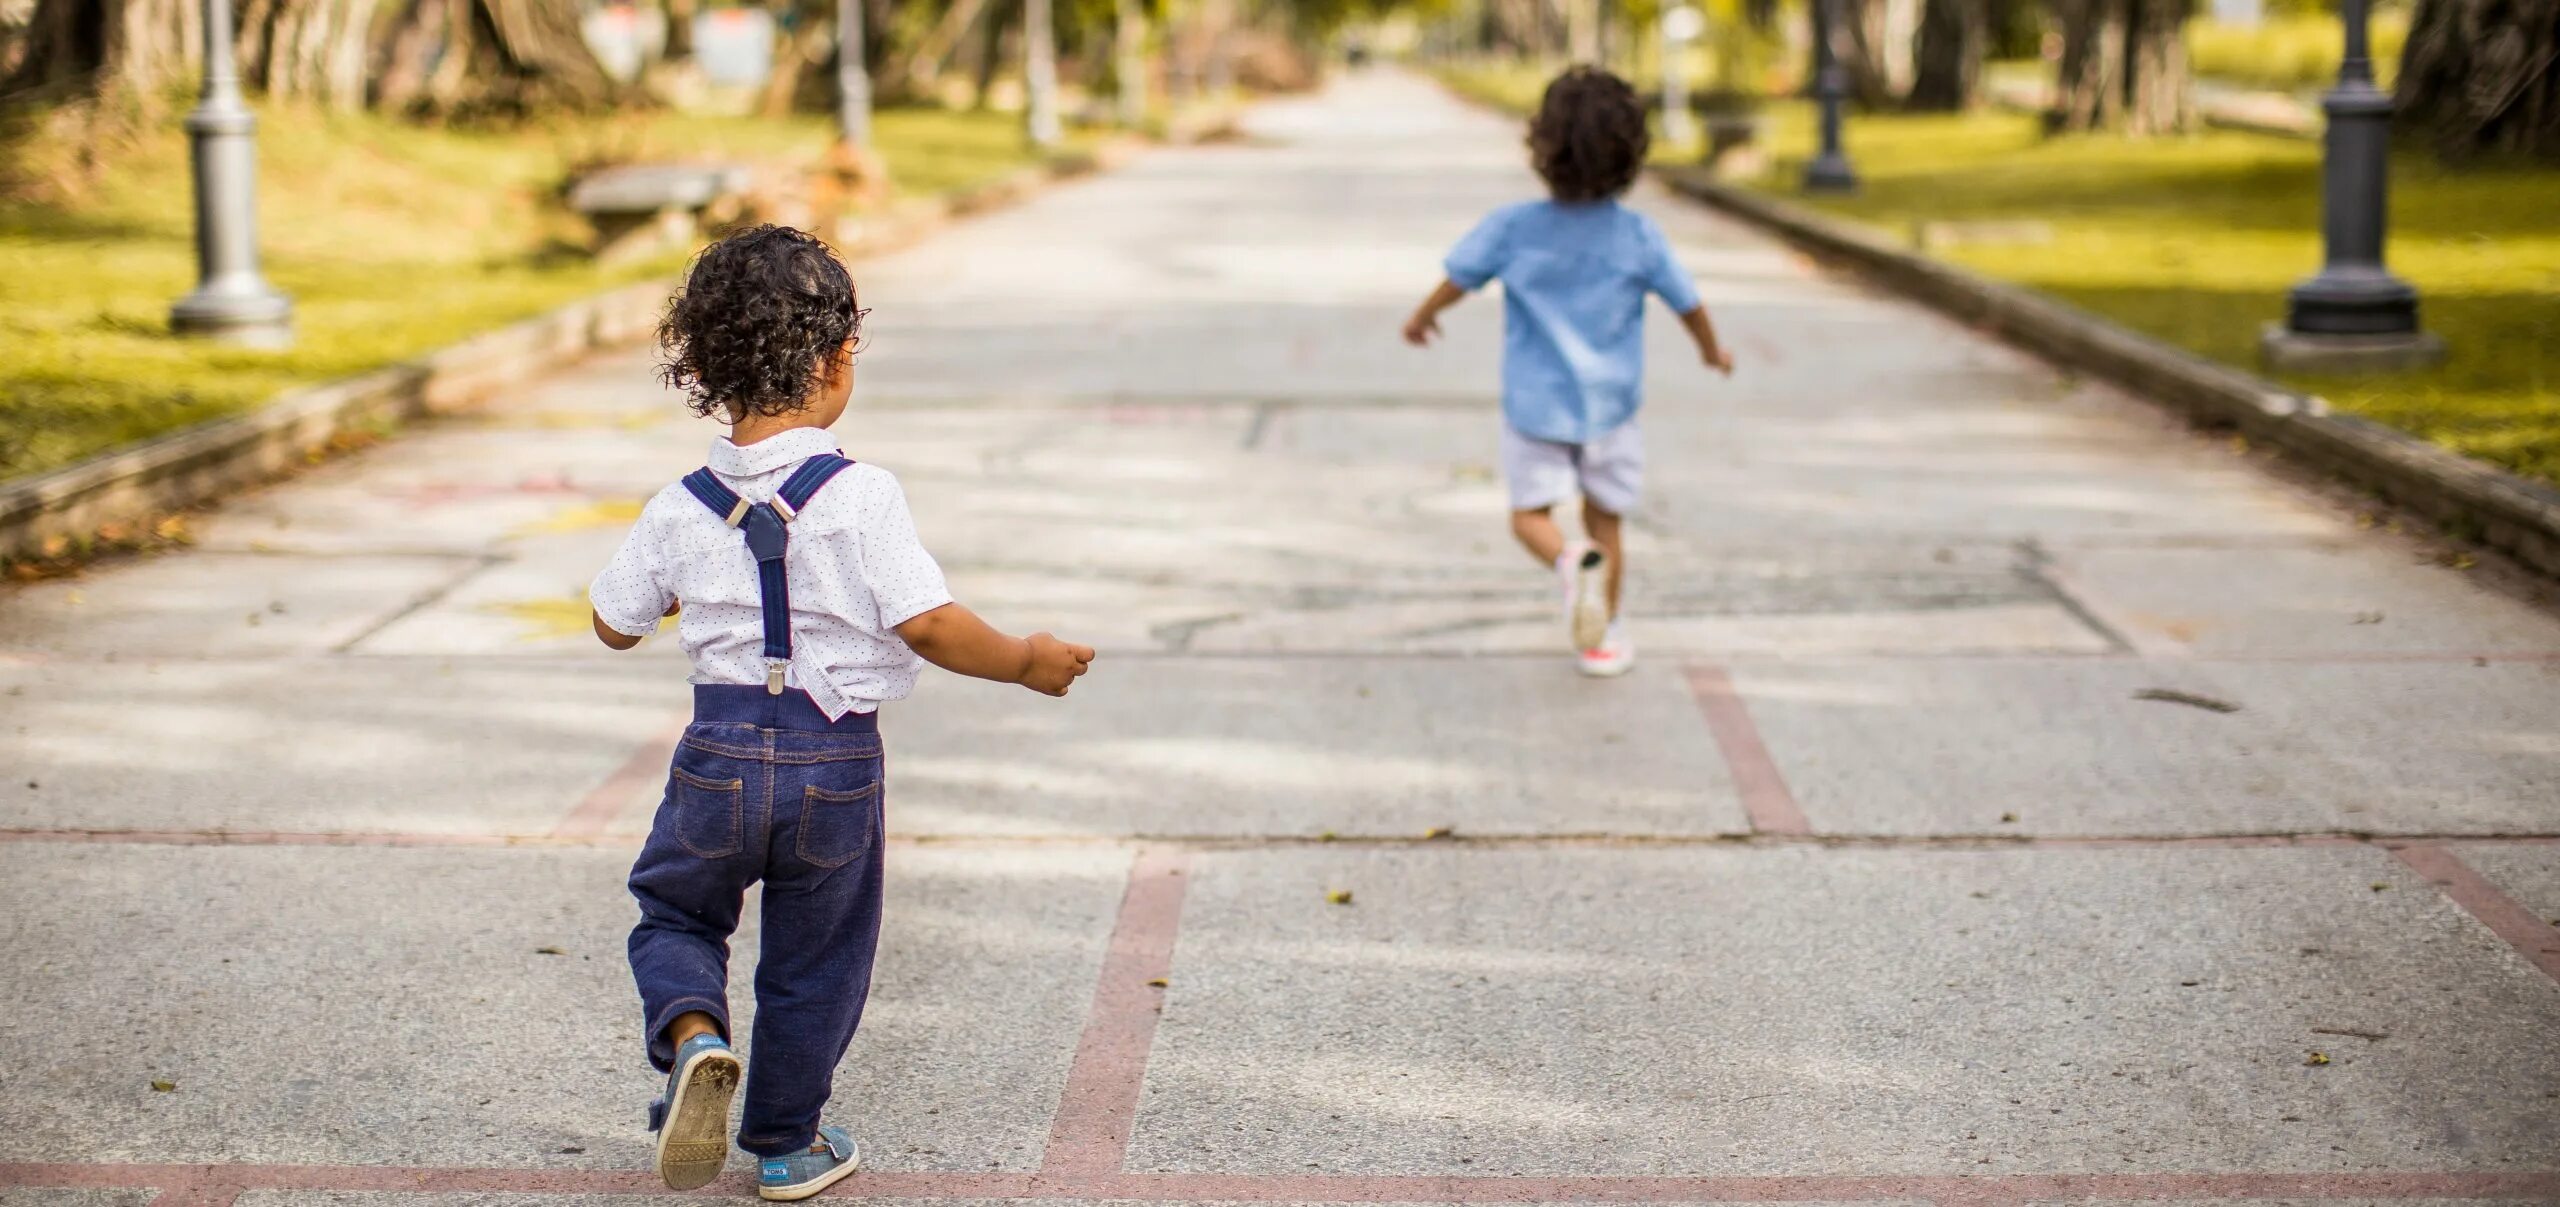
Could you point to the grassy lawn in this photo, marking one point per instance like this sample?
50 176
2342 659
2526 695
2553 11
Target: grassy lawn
392 239
2195 241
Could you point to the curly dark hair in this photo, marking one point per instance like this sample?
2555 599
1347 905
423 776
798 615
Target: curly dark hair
762 314
1589 138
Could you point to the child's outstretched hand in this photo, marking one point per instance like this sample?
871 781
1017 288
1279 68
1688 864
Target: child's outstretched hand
1421 329
1719 360
1054 664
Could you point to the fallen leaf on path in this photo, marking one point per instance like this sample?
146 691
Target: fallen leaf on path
573 1148
1340 896
2170 695
1160 982
2382 886
2008 817
1327 836
549 951
164 1086
2316 1059
1440 832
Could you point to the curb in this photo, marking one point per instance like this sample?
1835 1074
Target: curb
2471 500
140 482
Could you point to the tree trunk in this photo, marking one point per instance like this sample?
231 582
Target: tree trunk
510 57
680 15
933 52
2159 98
317 50
76 48
1860 45
808 42
2088 88
991 54
2124 67
1947 56
2483 77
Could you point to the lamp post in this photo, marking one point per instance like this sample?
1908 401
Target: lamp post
1040 75
1829 172
2353 315
231 302
1681 25
853 77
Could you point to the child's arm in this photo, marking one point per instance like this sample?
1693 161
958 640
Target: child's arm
1703 333
1425 322
954 638
614 638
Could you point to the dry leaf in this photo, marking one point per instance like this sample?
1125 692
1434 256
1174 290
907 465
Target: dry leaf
1160 982
549 951
1340 896
2316 1059
164 1086
1440 832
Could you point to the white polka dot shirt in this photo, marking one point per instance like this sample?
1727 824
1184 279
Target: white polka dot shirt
855 566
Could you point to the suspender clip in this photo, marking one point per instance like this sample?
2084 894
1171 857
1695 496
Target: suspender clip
782 507
773 668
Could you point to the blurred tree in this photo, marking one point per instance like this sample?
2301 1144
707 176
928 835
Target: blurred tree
2124 67
73 48
1947 55
2483 76
445 56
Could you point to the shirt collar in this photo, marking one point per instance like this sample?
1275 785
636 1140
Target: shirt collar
769 454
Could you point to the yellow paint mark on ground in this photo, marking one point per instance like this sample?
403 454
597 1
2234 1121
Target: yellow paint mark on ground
561 421
608 513
553 617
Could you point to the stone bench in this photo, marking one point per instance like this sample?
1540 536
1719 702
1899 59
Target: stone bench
639 208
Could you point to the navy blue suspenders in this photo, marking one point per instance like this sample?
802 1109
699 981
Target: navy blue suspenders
768 534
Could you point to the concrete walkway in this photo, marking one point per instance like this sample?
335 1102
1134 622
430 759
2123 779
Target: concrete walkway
1879 880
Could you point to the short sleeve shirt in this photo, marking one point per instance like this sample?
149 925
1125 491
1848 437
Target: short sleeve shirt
1574 280
855 565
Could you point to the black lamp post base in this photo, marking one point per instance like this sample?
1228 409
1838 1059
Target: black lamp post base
2286 350
1830 174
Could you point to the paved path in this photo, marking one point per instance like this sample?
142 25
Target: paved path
1876 881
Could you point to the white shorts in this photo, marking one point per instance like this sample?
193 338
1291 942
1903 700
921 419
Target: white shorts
1608 471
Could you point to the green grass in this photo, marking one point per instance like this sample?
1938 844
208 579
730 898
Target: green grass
392 240
2290 53
2195 241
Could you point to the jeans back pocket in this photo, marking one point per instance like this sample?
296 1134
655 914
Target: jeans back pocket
838 827
703 813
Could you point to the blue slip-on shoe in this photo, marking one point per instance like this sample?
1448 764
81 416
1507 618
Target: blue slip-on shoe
802 1174
692 1121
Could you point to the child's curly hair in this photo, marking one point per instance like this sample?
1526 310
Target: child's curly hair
762 314
1589 138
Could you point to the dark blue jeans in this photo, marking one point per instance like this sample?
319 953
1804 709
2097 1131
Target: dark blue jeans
765 788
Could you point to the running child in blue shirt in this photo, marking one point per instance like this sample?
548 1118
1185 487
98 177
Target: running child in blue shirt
1575 270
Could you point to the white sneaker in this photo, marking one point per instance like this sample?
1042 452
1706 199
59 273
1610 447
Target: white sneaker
1613 656
1587 597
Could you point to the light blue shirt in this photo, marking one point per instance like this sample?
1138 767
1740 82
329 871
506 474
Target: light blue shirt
1574 279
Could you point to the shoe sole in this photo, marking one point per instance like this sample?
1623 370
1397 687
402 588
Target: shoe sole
801 1190
1606 670
1590 603
693 1145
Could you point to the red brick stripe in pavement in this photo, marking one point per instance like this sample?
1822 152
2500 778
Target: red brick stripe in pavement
2533 936
1756 779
